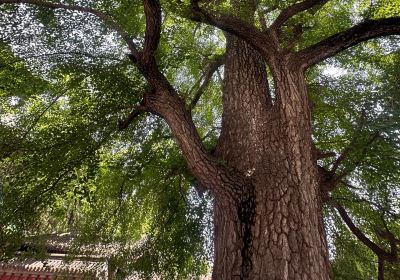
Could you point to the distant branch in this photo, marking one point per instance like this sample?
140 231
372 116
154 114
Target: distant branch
353 144
329 179
372 204
261 41
206 78
62 53
37 119
105 18
342 157
348 151
381 253
295 9
334 44
33 200
136 111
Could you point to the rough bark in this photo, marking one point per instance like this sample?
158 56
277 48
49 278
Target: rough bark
273 229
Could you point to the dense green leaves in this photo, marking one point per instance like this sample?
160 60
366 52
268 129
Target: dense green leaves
357 108
67 169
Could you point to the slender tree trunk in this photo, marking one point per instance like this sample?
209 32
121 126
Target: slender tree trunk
271 227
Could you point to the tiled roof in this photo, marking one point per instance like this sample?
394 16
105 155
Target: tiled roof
66 243
67 258
58 264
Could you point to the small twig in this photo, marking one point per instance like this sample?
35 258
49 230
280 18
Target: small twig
293 10
206 78
358 162
136 111
262 21
71 53
180 189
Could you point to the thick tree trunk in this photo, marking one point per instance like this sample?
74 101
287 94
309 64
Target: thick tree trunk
271 227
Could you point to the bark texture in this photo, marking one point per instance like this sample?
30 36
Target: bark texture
272 228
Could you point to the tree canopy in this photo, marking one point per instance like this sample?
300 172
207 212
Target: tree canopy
80 153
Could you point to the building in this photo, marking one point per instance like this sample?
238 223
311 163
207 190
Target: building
61 262
56 266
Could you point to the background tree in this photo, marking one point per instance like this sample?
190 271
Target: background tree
123 107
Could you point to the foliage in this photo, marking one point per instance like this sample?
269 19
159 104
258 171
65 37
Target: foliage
359 108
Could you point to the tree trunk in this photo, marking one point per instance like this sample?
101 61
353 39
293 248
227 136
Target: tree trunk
271 227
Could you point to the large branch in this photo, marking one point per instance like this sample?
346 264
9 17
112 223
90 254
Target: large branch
381 253
295 9
216 177
381 269
105 18
163 101
152 10
261 41
334 44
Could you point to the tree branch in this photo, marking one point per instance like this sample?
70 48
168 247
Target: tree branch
297 33
152 10
163 100
145 60
136 111
102 16
63 53
381 269
353 144
261 41
37 119
381 253
329 180
206 78
345 154
293 10
372 204
263 22
334 44
209 172
318 154
33 200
